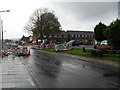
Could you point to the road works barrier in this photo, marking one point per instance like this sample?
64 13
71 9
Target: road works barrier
36 46
17 51
45 46
103 47
63 47
50 46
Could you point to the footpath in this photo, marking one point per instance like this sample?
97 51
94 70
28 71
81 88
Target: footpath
14 74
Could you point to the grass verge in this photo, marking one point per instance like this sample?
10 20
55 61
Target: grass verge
79 51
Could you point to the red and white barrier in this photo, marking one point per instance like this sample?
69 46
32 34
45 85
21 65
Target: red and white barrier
45 46
62 47
17 51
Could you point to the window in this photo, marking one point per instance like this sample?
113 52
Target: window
77 35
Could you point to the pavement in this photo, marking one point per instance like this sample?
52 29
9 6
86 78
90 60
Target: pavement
14 74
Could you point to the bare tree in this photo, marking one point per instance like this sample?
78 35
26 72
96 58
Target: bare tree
43 23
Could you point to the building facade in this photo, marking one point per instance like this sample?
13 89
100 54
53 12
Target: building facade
24 39
65 36
82 36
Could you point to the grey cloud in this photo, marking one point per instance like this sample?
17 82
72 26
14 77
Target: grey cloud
89 9
86 14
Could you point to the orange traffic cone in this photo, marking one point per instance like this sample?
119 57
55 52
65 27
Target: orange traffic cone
28 53
2 53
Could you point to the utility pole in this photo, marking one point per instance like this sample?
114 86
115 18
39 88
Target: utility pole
1 32
119 10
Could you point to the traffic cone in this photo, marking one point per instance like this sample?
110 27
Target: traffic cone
2 53
28 53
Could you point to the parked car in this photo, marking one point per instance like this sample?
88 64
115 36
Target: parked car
74 43
104 42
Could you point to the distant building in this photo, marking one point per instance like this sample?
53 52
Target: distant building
24 39
82 36
65 36
34 38
59 38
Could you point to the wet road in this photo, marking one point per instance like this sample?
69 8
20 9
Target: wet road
50 70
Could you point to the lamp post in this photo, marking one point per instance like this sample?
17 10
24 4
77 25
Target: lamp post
1 29
119 10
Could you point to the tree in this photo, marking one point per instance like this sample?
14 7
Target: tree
112 33
43 23
99 32
34 24
50 24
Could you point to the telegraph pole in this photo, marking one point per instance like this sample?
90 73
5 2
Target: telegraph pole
1 32
0 35
119 10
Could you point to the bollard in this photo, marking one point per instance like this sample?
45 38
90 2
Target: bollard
83 49
2 54
28 53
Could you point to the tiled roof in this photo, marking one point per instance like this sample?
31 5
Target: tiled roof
80 32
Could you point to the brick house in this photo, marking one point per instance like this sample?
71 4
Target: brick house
59 38
68 35
82 36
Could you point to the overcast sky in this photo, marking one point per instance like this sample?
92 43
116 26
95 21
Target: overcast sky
72 14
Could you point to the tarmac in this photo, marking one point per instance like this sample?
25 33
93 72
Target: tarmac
95 60
14 74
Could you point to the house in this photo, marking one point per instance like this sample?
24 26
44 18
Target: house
82 36
59 38
24 39
65 36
